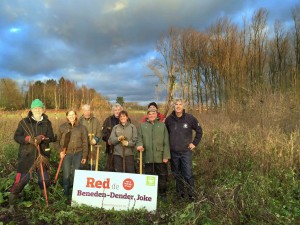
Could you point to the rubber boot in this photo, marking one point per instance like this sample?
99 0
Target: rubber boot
12 201
66 190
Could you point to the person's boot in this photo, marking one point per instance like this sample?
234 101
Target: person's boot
12 201
163 196
66 190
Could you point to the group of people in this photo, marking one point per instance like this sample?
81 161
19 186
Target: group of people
160 140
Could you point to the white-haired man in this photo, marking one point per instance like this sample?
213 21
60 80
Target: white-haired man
107 127
180 126
94 130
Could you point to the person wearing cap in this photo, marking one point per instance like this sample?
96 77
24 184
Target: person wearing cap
159 115
94 131
107 127
153 141
180 126
32 132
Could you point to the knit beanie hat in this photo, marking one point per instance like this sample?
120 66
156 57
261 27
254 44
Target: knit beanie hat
151 110
37 103
153 103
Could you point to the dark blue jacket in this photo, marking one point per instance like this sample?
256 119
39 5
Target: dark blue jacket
181 131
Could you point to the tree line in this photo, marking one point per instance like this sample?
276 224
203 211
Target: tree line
209 68
61 94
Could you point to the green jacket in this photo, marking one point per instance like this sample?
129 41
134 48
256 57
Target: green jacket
130 133
155 140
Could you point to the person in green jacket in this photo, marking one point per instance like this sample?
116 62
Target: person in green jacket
153 140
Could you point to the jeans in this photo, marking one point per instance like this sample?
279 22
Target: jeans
181 166
70 164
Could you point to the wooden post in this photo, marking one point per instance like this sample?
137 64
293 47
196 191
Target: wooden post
97 157
91 136
141 162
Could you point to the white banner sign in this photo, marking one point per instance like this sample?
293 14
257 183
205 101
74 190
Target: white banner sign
108 190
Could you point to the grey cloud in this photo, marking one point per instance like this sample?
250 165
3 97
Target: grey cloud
92 38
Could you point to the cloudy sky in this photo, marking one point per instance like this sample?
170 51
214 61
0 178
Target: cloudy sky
106 44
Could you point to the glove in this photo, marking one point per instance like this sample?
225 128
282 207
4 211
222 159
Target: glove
39 139
124 143
30 140
121 138
93 141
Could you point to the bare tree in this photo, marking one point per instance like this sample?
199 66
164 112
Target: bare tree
296 19
165 70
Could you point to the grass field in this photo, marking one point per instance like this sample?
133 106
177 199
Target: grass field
246 170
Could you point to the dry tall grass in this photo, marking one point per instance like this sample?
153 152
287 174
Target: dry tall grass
249 163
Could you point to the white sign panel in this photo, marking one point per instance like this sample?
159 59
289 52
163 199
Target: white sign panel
110 190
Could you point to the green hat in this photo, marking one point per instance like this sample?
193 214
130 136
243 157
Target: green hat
37 103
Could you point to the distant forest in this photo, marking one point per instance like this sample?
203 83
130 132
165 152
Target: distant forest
61 94
227 62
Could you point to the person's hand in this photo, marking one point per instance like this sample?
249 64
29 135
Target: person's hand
30 140
124 143
83 161
191 146
165 160
39 139
121 138
62 155
93 141
140 148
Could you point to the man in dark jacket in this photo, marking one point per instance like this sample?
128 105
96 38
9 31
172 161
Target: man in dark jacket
107 127
180 126
33 131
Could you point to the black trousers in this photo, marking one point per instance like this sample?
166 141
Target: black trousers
128 164
160 169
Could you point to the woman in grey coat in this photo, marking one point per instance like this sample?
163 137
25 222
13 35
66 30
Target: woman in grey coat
124 137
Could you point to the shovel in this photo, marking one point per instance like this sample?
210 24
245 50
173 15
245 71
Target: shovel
141 162
66 143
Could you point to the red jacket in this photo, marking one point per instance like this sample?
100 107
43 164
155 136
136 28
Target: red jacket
159 115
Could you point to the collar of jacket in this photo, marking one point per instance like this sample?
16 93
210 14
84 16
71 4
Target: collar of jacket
75 124
156 120
90 118
176 117
126 124
31 119
114 117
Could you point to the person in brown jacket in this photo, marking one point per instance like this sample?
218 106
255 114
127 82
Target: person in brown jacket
77 148
94 131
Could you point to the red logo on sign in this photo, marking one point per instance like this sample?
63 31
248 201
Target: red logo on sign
128 184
